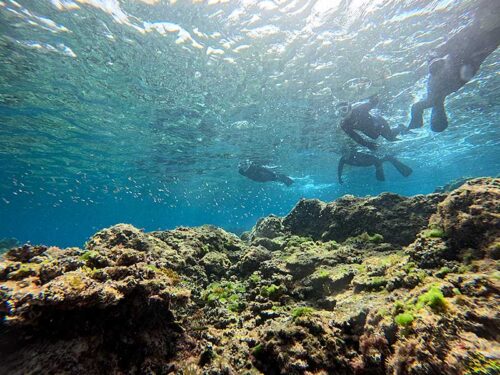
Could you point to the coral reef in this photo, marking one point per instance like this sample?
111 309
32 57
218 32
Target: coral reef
378 285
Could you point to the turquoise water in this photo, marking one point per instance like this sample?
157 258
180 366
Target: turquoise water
140 111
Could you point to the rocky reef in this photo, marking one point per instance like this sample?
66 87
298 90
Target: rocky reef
380 285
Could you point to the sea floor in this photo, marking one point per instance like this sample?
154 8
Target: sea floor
377 285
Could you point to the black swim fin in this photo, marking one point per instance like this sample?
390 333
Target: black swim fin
402 168
439 120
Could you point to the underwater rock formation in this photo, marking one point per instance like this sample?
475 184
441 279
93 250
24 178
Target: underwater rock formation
452 185
381 285
398 219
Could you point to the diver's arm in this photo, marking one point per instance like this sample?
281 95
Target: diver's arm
357 138
340 169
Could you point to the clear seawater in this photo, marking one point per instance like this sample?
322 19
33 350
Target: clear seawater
140 111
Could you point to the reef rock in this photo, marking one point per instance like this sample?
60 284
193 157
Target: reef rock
267 227
465 225
470 215
329 289
398 219
452 185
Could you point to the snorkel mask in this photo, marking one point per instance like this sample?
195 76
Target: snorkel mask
344 108
243 166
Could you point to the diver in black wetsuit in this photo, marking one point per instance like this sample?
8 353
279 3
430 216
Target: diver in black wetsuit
360 159
260 173
357 118
456 61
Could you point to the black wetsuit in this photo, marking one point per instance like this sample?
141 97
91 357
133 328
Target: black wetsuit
259 173
470 47
360 159
373 126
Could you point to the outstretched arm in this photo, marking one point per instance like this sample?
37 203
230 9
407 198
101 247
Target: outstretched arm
340 169
357 138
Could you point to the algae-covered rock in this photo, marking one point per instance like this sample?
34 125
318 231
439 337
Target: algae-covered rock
74 312
470 215
466 225
397 219
328 281
305 219
252 259
307 345
267 227
216 263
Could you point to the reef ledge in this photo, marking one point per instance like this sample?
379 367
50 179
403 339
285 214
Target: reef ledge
378 285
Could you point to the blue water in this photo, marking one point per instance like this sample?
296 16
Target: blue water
140 111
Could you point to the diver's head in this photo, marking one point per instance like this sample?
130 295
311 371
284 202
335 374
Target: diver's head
466 72
243 166
344 108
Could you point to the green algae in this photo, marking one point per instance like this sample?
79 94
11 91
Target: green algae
271 291
406 312
89 255
296 241
464 268
75 281
408 267
255 278
433 298
375 238
226 293
404 319
24 270
322 273
443 271
257 349
302 311
435 232
478 364
168 272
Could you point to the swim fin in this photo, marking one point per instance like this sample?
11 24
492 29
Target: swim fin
402 168
439 121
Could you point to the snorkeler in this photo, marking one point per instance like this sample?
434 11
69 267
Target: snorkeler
360 159
260 173
456 61
357 118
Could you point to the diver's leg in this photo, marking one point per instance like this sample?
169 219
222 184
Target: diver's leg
401 168
439 120
417 113
379 171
